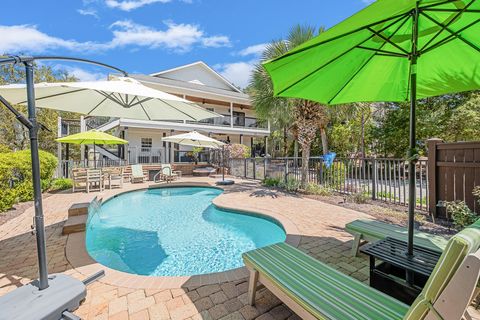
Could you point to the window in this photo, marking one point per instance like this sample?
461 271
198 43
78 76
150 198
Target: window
164 143
238 118
209 120
146 144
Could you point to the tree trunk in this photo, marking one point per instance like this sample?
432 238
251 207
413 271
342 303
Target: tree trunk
323 134
285 142
305 164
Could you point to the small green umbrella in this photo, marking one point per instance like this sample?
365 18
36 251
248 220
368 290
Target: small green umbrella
92 137
393 50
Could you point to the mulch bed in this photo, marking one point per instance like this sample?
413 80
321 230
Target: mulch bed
18 209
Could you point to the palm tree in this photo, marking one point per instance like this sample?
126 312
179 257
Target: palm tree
301 117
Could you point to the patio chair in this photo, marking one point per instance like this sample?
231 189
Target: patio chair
316 291
94 180
113 175
137 174
167 173
371 230
79 179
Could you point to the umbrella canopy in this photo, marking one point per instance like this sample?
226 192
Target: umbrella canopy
366 57
194 139
121 97
92 137
393 50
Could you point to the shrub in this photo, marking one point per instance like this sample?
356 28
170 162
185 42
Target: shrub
359 197
271 182
335 175
16 176
291 185
476 193
316 189
61 184
237 151
460 213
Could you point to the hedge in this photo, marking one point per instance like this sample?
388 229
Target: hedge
16 176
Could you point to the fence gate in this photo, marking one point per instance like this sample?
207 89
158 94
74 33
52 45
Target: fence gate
454 170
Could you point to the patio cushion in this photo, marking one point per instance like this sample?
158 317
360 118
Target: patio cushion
137 170
380 230
458 247
323 291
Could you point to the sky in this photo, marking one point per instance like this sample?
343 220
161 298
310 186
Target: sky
147 36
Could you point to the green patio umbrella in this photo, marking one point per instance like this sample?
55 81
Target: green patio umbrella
393 50
92 137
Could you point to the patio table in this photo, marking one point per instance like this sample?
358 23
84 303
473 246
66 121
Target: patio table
390 276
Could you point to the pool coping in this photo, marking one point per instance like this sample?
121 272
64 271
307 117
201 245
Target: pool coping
78 257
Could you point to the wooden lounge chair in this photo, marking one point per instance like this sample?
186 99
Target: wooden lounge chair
137 174
371 230
94 180
316 291
79 179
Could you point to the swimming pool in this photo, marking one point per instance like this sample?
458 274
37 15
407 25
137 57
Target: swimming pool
174 232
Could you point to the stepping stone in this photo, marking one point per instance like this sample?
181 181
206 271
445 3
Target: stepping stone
78 209
75 224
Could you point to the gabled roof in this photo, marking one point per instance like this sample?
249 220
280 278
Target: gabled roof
178 73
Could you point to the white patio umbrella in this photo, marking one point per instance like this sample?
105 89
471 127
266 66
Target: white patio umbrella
120 97
194 139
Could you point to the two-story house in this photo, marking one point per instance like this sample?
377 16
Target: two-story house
196 82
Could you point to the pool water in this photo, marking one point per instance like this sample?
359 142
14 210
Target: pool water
174 232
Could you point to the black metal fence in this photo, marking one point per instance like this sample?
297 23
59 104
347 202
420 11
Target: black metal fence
379 179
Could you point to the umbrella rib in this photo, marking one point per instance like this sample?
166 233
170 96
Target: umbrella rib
193 119
454 10
54 95
146 113
366 62
339 56
453 34
141 101
446 25
385 52
400 16
98 104
388 40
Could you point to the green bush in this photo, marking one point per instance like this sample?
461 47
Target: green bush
460 213
61 184
271 182
335 175
291 185
16 176
316 189
359 197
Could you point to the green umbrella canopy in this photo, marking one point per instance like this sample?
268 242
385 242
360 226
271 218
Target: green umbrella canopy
366 57
92 137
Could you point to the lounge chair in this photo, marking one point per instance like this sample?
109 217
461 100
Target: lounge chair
94 180
79 179
167 173
371 230
314 290
137 174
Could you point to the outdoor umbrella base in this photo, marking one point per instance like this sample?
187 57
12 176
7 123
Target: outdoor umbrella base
225 182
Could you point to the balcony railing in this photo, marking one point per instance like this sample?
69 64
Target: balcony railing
238 122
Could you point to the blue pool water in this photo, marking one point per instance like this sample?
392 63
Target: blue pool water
174 232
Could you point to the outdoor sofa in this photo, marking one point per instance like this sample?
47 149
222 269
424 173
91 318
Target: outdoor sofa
371 230
314 290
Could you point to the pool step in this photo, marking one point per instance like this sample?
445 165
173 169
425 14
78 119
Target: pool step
78 209
75 224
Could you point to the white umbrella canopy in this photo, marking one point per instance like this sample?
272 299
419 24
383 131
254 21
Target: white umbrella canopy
194 139
120 97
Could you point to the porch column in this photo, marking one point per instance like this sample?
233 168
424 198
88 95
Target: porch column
231 114
59 147
83 128
251 147
127 146
171 148
265 141
241 139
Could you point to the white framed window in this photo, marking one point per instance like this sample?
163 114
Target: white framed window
146 144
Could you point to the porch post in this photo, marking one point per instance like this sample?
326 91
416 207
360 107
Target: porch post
231 114
432 175
171 149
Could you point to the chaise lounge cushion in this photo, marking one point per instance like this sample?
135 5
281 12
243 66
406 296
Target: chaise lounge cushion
321 290
459 246
372 229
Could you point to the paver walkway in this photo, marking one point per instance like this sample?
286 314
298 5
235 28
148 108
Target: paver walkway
320 229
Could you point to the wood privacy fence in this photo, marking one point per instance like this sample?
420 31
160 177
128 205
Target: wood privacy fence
454 171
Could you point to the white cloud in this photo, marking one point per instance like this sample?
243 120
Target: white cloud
82 74
255 50
88 12
128 5
178 37
237 72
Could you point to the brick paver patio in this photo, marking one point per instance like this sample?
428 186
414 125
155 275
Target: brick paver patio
320 228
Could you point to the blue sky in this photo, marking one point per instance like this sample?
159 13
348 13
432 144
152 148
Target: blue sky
145 36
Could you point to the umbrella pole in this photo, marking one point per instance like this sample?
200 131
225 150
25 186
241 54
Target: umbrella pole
37 191
94 157
412 154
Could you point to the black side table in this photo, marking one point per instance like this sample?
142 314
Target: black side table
390 275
